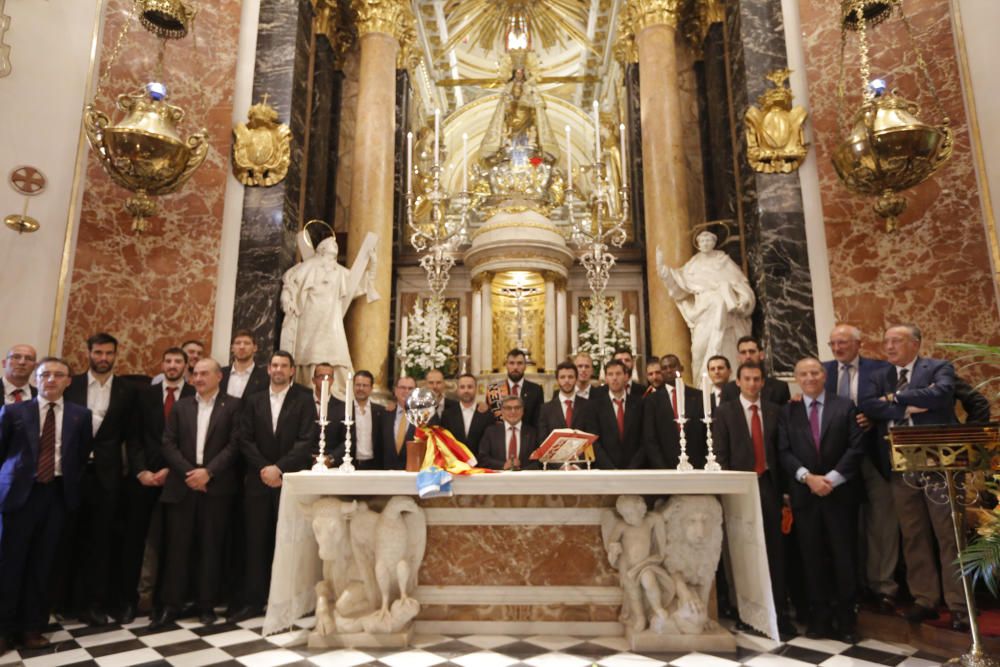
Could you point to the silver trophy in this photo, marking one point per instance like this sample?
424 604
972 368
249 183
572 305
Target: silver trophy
421 407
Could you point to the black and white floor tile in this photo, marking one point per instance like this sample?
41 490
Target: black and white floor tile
188 644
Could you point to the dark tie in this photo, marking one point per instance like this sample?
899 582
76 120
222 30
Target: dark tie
168 403
513 390
569 414
844 389
757 433
814 422
620 415
903 380
47 451
512 445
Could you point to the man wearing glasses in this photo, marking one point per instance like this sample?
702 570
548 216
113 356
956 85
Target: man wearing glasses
508 445
17 368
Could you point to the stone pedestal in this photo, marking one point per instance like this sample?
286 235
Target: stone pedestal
362 640
647 641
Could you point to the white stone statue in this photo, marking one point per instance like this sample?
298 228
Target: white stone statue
315 296
714 297
370 565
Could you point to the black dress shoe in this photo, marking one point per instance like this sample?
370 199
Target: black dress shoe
126 615
244 614
818 631
35 640
207 617
165 617
918 613
959 620
850 636
94 617
886 604
786 630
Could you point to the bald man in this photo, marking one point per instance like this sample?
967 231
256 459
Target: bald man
17 368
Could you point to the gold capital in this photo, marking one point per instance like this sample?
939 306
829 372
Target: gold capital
640 14
390 17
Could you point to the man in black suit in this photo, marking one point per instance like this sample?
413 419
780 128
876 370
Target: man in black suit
617 417
396 430
366 433
745 432
508 444
200 445
111 401
434 379
529 392
821 447
464 418
625 358
44 444
147 472
719 370
775 391
566 409
694 410
277 429
244 377
17 368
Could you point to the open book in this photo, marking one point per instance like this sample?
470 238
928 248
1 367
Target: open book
565 444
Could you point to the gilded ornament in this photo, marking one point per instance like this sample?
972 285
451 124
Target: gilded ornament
775 138
168 19
5 66
262 148
390 17
641 14
330 21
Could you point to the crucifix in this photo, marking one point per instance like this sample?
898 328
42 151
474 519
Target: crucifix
4 48
520 293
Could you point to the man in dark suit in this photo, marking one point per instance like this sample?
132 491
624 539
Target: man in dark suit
695 430
44 445
17 368
846 373
464 418
244 377
918 390
775 391
719 370
111 401
617 417
200 445
396 430
626 359
147 472
434 380
366 434
566 409
277 429
508 445
529 392
745 432
821 448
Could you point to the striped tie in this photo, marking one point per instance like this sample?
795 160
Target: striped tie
47 451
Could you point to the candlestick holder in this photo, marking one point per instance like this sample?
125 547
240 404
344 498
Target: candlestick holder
463 363
682 462
347 465
710 463
322 460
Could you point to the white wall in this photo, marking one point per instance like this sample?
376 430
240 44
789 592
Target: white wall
41 104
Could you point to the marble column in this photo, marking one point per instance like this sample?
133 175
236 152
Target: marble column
562 324
475 332
550 324
380 27
653 23
486 324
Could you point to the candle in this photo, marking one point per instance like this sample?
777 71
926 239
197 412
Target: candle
706 395
569 159
465 162
597 132
403 330
633 333
409 163
463 332
574 332
679 390
621 133
437 137
349 408
324 397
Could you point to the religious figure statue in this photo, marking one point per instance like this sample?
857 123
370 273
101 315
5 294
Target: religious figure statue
714 297
315 295
370 565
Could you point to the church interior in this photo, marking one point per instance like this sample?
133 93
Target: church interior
549 176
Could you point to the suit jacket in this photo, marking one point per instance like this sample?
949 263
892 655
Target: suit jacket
391 460
866 368
259 380
551 416
222 443
145 444
775 391
32 389
734 445
336 434
841 448
660 437
531 395
976 406
288 447
452 420
611 451
20 440
931 386
115 429
493 446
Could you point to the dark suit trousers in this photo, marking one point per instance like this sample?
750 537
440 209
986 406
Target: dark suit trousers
140 503
827 532
195 539
770 506
94 530
260 513
29 539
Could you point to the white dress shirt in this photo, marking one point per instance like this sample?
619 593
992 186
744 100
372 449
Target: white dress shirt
277 400
363 431
98 398
519 384
178 386
205 407
833 476
43 408
623 397
9 388
468 412
238 381
583 393
562 401
748 415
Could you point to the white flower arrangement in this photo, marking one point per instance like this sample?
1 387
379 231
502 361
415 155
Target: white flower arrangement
427 343
616 335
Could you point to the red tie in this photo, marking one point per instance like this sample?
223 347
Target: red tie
512 446
17 395
47 451
757 433
620 414
168 404
569 414
513 389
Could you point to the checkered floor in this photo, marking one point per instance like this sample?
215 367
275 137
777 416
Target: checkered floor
189 644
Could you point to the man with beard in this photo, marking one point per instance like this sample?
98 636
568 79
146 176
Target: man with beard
17 368
464 418
618 421
111 401
566 409
244 377
775 391
625 358
366 432
654 376
195 350
147 473
529 392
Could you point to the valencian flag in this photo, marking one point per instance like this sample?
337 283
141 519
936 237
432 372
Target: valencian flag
445 456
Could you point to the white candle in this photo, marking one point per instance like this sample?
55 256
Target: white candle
569 159
403 330
574 332
679 390
465 162
706 395
324 397
463 332
633 333
409 163
437 136
597 132
624 162
349 408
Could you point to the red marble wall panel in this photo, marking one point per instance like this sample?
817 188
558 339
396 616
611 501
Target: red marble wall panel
936 270
157 289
